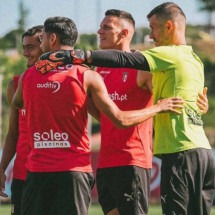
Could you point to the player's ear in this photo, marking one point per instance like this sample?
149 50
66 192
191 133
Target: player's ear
169 25
124 32
53 38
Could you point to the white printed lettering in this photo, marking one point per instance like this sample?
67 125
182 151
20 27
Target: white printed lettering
116 97
55 85
51 139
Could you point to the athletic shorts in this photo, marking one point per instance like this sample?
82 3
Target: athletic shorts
17 186
57 193
188 182
126 188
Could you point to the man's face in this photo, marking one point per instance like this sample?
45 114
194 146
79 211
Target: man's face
45 42
110 32
31 49
157 31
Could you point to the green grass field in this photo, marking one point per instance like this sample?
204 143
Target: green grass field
95 210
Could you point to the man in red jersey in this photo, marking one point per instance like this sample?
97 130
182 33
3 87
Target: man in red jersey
16 138
125 158
60 174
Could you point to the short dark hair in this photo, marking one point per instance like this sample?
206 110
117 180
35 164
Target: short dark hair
33 31
64 27
121 14
167 10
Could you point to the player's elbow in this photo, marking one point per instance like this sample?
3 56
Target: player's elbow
121 122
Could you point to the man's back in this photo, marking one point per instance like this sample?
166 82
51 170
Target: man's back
57 120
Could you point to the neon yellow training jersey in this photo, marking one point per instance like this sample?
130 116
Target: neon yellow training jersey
177 71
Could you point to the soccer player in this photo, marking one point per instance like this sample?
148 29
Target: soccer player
187 171
16 138
125 157
60 176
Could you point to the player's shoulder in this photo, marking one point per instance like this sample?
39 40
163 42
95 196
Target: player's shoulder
12 83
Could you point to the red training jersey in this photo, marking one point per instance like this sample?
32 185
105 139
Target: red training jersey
56 112
133 145
22 148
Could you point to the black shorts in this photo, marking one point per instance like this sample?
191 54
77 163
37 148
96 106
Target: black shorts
126 188
57 193
16 196
188 182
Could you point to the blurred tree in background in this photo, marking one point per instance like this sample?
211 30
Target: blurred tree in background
208 6
13 38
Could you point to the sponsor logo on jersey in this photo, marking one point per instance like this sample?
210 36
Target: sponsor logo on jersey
194 118
124 76
63 69
117 97
66 67
55 85
23 112
104 74
51 139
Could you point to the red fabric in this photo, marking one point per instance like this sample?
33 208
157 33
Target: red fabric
22 149
130 146
56 106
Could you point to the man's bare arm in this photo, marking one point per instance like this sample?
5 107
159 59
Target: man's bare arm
17 100
9 148
95 86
